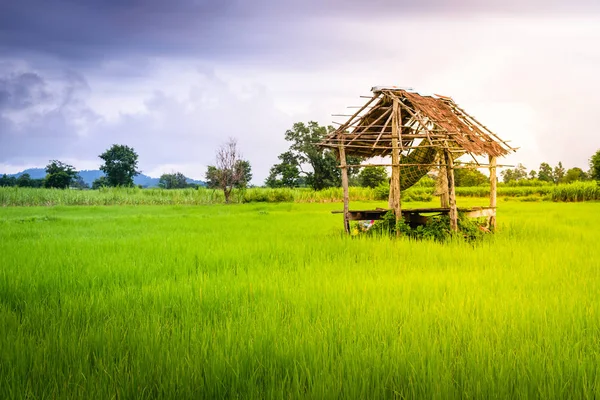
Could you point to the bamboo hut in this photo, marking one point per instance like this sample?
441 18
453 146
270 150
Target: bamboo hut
420 133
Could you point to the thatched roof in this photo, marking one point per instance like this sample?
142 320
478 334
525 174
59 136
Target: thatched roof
425 121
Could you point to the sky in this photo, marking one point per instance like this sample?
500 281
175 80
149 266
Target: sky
176 79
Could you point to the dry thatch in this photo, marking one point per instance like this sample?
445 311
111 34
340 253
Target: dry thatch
425 122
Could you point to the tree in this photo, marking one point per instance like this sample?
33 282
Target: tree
546 173
595 166
372 176
574 175
79 183
304 139
559 173
469 177
514 174
100 183
6 180
230 170
120 165
245 170
173 181
59 175
24 180
532 174
286 173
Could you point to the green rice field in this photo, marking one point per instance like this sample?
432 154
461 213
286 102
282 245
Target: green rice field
270 300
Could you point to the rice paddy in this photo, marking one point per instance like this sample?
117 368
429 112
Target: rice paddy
271 301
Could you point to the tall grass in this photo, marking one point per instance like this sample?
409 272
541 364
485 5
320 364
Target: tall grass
14 196
271 301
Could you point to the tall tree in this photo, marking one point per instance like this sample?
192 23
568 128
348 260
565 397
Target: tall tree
286 173
470 177
245 171
546 174
59 175
24 180
372 177
558 174
120 165
173 181
229 171
514 174
595 166
574 175
304 139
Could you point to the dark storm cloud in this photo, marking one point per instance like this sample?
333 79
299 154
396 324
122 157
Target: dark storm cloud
94 30
22 91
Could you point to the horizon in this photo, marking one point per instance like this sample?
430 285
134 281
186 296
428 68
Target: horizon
175 81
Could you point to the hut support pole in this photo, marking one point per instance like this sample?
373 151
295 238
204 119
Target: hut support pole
442 184
493 185
451 191
394 200
343 166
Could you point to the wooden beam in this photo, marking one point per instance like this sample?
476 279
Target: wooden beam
451 191
493 188
394 199
443 186
342 154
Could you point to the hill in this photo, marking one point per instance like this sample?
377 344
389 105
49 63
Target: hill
90 176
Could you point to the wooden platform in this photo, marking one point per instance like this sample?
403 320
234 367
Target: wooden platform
418 216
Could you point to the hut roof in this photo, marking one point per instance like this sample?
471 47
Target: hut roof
432 121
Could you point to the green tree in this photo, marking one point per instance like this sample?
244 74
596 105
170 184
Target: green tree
469 177
120 165
6 180
24 180
212 177
546 174
514 174
79 183
100 183
173 181
372 177
304 139
574 175
595 166
286 173
244 170
558 174
59 175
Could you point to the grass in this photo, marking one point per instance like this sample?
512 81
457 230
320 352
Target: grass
15 196
271 301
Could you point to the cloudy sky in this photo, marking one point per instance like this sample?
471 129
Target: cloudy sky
174 79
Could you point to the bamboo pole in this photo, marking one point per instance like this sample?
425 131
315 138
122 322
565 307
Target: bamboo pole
493 185
394 200
451 192
342 154
443 186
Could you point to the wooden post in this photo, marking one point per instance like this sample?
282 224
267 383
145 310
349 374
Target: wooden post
451 191
442 185
394 200
342 154
493 185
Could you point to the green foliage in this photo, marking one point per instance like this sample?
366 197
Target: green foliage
100 183
120 165
437 228
545 174
558 173
470 177
286 173
595 166
245 172
372 177
304 149
59 175
575 175
514 174
175 180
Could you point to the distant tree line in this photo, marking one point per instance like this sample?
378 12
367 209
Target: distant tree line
556 175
